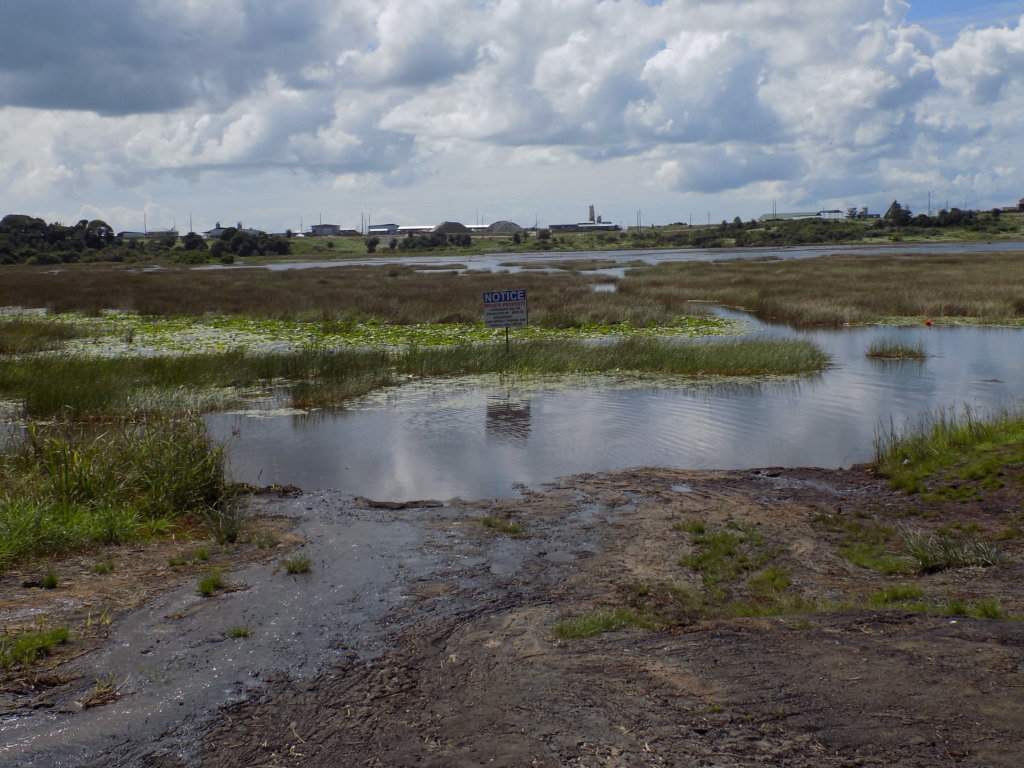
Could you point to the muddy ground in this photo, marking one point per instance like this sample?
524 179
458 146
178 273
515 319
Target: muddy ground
424 635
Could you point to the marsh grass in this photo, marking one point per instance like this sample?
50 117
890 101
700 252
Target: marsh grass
97 389
19 335
895 350
396 294
960 447
847 288
82 388
66 486
744 357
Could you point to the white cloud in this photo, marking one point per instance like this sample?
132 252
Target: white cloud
114 106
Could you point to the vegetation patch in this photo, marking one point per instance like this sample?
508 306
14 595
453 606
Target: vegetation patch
297 564
21 335
957 454
933 553
25 647
896 350
66 486
603 620
211 583
510 528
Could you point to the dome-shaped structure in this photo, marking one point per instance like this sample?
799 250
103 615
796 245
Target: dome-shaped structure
451 228
504 228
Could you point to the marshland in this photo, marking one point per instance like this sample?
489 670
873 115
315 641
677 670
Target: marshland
146 410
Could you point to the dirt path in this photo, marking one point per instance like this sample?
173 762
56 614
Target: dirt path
423 636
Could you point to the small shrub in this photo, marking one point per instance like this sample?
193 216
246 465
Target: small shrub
50 580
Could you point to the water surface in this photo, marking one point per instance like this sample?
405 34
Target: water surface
480 437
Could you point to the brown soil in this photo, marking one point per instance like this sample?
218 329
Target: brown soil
473 673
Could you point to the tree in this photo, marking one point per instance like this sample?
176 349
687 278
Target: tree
193 242
897 214
371 244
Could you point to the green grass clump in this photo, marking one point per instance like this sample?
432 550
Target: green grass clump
897 594
239 631
67 486
959 447
26 647
867 544
297 564
695 527
604 620
209 584
875 557
510 528
896 350
933 552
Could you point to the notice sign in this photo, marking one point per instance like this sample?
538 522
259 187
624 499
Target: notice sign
505 309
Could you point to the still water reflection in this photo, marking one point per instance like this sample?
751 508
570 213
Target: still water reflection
483 436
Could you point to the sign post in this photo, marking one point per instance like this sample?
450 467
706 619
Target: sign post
505 309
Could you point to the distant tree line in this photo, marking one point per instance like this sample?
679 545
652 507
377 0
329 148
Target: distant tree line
30 240
896 222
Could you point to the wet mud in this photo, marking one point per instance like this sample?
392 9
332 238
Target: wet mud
423 634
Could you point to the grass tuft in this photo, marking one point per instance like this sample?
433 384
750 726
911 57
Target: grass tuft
297 564
510 528
932 552
603 620
896 350
211 583
26 647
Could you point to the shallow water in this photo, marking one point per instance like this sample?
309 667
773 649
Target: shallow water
512 262
482 437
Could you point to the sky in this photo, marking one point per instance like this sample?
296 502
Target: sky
186 113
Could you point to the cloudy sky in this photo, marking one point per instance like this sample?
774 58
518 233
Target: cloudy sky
416 111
